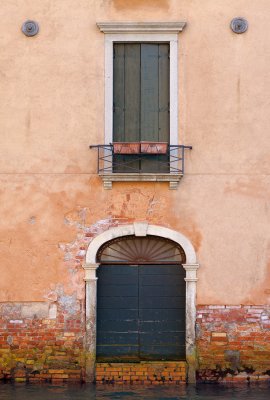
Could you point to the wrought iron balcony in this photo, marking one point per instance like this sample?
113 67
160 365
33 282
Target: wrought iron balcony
140 162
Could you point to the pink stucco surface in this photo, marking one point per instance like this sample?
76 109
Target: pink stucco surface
52 108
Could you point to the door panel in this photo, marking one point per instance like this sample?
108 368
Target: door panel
162 315
164 283
119 338
118 302
126 324
160 326
163 302
128 290
117 313
162 312
159 338
117 353
160 290
165 353
162 270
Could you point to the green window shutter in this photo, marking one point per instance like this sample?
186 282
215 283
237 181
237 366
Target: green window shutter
141 97
164 94
126 93
155 80
132 93
149 92
119 93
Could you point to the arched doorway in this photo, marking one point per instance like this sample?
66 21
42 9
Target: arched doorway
140 300
91 265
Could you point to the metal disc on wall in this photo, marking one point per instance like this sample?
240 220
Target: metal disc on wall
30 28
239 25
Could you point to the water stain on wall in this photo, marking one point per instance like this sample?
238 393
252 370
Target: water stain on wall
261 291
193 234
250 187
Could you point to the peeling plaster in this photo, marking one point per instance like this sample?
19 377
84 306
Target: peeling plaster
69 303
32 310
32 220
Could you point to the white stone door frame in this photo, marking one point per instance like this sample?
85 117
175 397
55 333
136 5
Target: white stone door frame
90 267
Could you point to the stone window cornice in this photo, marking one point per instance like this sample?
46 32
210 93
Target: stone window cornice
141 27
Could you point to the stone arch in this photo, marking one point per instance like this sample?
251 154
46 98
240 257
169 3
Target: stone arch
140 229
91 265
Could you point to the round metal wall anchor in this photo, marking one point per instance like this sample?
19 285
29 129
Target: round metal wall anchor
30 28
239 25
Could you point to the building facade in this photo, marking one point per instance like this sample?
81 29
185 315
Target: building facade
144 258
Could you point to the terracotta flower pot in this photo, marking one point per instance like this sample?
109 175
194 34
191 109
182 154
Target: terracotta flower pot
154 147
126 147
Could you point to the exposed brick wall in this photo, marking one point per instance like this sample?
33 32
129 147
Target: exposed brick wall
74 252
40 349
142 373
233 342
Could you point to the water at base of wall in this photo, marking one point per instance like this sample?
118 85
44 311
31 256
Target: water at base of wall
124 392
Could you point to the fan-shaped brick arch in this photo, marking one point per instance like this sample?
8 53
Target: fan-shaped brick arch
141 250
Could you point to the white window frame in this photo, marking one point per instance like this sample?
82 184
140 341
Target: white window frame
155 32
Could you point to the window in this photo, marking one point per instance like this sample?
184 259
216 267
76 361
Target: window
141 95
141 98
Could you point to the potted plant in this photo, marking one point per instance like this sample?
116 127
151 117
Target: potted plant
126 147
154 147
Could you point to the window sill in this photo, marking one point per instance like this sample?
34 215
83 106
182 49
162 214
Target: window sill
173 179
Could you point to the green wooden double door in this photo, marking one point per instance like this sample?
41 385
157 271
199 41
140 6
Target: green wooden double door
141 95
140 312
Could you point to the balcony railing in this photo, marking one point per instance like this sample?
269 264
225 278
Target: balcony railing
172 161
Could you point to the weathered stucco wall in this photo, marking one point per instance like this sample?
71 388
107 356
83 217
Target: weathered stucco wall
52 109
